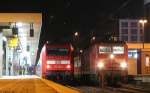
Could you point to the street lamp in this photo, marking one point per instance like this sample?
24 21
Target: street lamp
93 38
76 34
81 51
143 22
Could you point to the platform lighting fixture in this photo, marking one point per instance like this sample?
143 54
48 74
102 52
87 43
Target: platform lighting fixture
15 29
31 30
19 24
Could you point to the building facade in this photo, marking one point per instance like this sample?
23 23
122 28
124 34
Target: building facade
139 58
130 30
147 16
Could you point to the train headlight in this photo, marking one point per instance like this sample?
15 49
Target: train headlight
100 65
47 66
68 66
123 65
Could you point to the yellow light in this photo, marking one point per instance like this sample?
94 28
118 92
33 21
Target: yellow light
123 65
112 56
100 65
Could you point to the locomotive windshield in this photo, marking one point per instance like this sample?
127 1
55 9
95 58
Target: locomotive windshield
57 51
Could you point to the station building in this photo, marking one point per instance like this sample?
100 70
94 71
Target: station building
19 39
139 60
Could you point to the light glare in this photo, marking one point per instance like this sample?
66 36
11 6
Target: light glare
19 24
100 65
112 56
68 66
123 65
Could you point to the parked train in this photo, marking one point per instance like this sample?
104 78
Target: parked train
109 59
56 62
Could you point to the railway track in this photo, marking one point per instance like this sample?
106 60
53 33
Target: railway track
126 90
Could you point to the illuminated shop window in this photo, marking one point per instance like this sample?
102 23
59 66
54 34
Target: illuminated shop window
147 63
132 54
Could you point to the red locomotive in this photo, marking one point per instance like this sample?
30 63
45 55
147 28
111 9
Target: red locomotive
109 59
56 61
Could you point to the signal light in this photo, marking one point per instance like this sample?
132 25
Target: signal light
31 30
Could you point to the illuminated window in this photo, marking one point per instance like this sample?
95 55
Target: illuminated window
147 63
133 54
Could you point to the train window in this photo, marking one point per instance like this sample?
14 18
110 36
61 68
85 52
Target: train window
57 52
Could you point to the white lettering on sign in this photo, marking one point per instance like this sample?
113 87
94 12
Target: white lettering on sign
104 49
118 50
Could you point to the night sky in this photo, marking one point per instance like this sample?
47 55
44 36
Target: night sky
86 17
61 18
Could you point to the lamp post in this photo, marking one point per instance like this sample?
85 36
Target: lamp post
143 22
77 52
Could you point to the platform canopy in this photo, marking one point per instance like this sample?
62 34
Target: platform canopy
28 29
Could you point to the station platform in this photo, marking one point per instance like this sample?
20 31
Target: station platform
32 84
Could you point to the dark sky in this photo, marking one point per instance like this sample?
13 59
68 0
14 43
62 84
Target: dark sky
85 16
61 18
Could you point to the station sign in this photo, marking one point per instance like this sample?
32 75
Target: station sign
13 42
